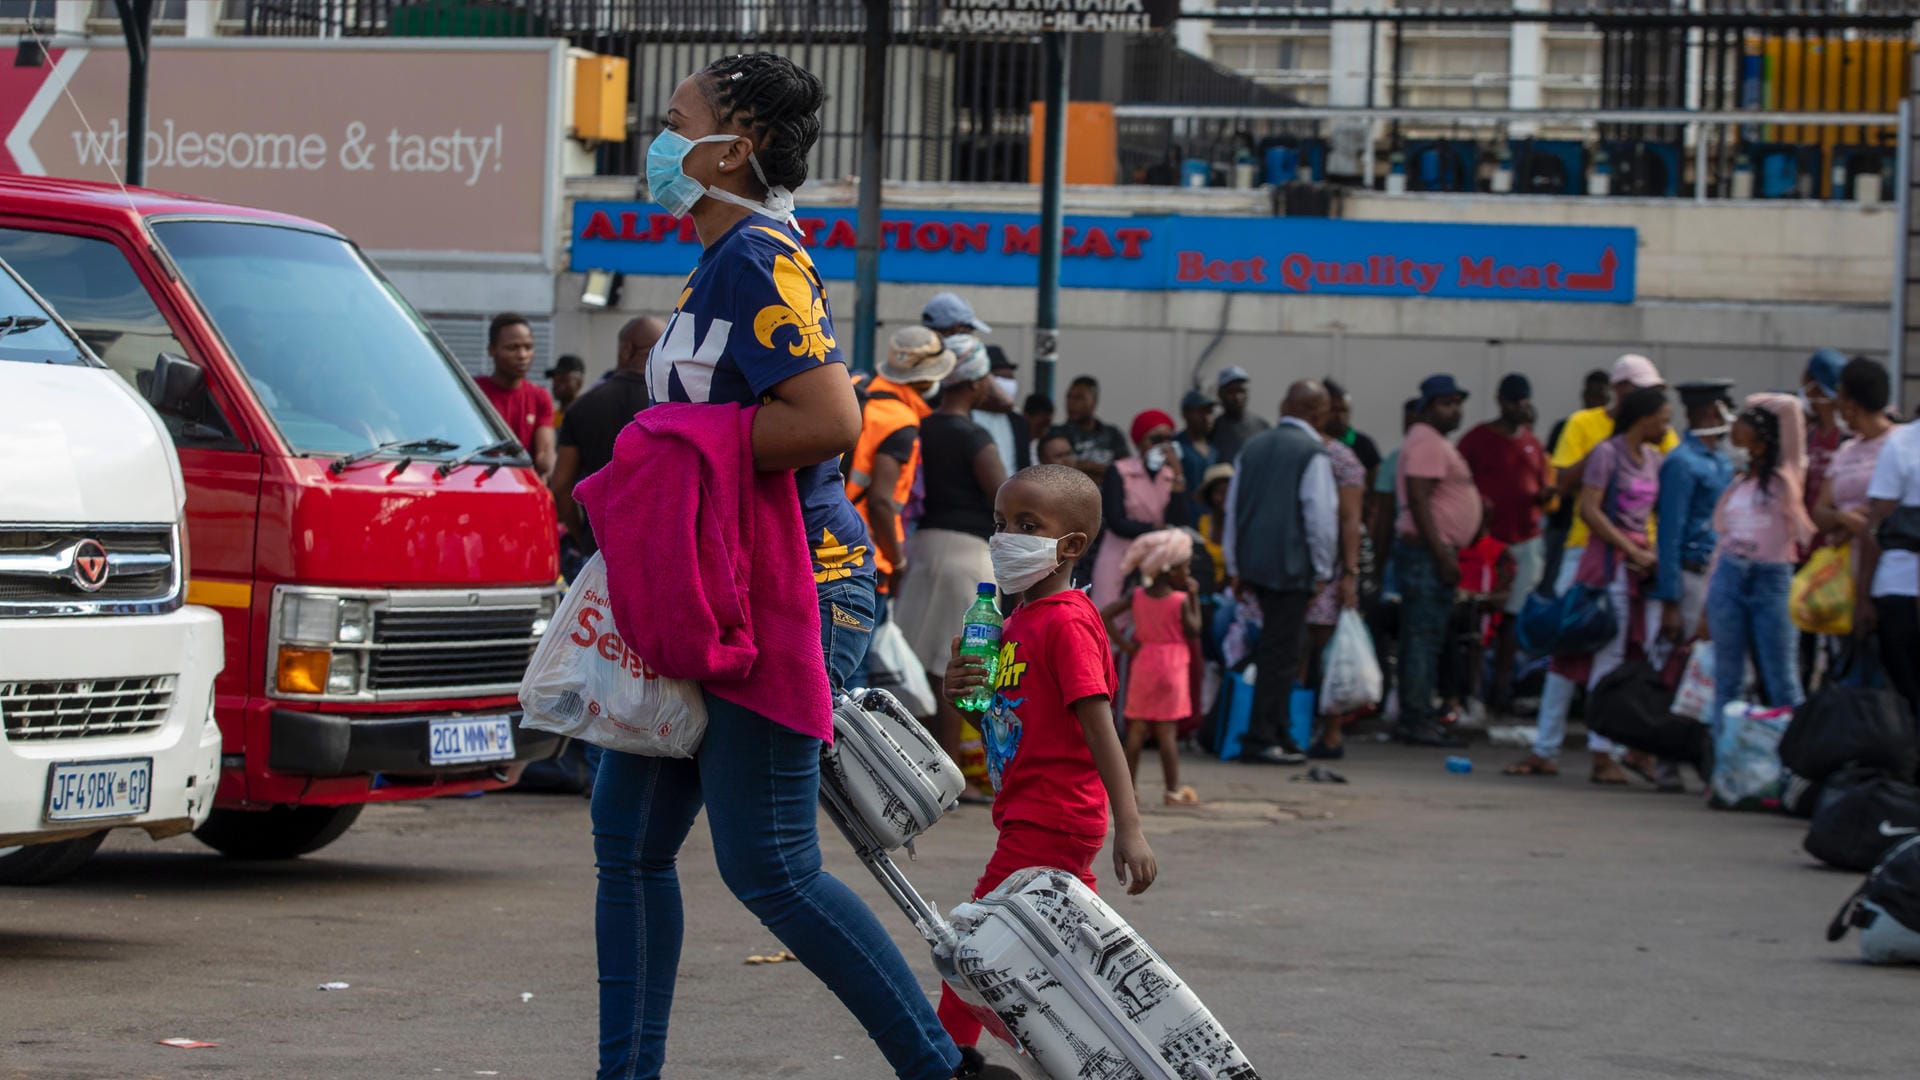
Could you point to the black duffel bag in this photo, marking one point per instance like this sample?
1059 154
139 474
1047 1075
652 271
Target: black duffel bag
1846 725
1862 816
1632 707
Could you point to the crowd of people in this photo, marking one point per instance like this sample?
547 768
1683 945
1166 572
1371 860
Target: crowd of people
1690 509
1143 572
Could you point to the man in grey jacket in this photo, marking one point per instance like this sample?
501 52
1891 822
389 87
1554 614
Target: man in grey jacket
1280 548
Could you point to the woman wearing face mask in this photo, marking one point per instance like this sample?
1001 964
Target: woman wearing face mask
752 328
947 554
1138 497
1762 521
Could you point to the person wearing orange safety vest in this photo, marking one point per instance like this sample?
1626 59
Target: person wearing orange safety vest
886 460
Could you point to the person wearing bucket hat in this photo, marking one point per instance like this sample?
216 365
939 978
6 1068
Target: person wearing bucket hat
1212 522
886 460
1139 495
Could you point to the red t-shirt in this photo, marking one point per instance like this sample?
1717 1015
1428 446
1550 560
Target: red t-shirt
1510 474
526 408
1053 653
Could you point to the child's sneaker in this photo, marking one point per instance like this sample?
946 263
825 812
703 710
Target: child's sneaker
973 1066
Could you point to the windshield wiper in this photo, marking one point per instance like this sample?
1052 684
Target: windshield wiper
490 450
17 324
427 446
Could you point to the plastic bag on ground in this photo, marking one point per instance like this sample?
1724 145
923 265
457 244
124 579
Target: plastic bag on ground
1352 680
1747 774
585 683
1694 699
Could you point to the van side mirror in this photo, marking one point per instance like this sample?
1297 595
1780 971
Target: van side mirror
176 386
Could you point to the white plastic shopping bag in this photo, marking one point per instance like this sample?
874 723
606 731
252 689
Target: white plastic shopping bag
1694 699
585 683
891 666
1747 774
1352 679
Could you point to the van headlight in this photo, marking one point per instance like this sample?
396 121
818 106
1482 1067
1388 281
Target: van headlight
318 639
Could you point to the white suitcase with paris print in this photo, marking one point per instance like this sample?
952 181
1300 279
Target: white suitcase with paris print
1079 990
1057 975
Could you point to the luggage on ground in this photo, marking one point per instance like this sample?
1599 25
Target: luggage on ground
1746 759
894 776
1845 725
1886 909
1058 976
1631 706
1863 818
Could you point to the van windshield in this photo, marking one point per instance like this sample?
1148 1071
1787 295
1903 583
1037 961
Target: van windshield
28 333
333 352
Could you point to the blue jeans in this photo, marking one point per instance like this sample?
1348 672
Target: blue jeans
1425 607
760 784
1747 616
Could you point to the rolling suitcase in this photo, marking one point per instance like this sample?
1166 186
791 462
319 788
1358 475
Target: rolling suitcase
895 778
1058 976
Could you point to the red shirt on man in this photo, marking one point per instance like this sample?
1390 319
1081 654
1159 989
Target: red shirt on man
1053 652
1510 473
526 408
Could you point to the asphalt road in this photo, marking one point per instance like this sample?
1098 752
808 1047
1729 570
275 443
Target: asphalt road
1411 924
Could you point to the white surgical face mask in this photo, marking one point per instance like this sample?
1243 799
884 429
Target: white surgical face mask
1736 456
1020 561
1009 387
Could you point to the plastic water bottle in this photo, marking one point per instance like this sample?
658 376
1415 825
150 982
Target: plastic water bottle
1457 764
981 640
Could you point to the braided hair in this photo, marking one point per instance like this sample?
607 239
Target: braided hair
1766 463
777 102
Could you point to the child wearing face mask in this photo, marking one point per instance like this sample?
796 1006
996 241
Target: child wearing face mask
1053 753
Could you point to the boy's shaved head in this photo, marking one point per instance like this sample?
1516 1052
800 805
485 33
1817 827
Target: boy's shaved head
1069 493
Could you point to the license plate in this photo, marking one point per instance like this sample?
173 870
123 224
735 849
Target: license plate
85 790
470 741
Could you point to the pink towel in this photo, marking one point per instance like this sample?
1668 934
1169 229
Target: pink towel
707 563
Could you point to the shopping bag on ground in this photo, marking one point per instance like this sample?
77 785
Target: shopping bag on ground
585 683
1352 681
1821 600
892 666
1694 699
1746 765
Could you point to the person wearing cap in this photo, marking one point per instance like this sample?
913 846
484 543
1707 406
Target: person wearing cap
886 459
1510 469
947 556
1234 426
1762 522
565 378
1440 514
1096 443
1138 495
948 314
1691 481
1281 545
1195 442
1584 431
995 411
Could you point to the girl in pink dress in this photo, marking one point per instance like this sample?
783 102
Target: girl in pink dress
1165 613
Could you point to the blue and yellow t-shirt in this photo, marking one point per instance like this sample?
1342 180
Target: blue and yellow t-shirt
752 315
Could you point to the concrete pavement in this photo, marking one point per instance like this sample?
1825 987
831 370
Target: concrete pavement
1411 924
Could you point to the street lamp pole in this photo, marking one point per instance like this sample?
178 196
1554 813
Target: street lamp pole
136 21
1046 334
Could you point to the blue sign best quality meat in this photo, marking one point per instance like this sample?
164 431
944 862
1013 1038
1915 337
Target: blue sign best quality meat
1303 256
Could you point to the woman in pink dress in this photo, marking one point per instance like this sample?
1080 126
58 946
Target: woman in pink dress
1166 616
